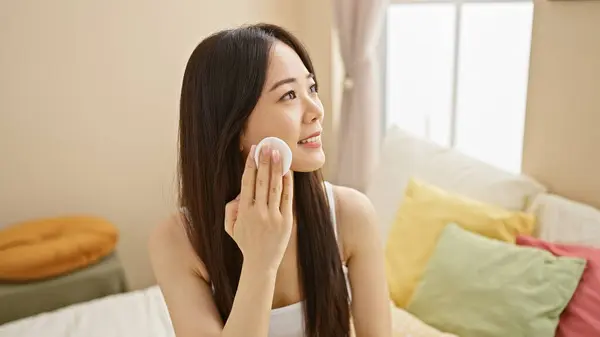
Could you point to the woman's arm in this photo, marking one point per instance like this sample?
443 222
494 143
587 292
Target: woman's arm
182 280
362 246
252 304
260 222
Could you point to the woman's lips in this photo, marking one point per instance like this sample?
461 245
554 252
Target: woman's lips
312 142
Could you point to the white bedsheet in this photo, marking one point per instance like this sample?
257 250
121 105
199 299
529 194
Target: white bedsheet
140 313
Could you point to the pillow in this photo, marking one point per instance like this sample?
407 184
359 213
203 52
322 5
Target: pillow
406 325
480 287
582 315
565 221
39 249
420 220
405 156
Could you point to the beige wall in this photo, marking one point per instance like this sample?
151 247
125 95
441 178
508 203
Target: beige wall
89 91
562 133
88 106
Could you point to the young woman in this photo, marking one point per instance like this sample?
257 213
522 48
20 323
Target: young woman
254 253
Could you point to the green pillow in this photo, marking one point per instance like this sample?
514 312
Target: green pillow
474 286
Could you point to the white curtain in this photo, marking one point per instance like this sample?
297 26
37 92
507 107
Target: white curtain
359 24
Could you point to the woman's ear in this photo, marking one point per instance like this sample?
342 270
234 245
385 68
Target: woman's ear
242 141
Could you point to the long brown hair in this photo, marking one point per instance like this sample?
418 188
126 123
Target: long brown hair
222 83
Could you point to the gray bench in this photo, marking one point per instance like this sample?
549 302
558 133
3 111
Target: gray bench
19 300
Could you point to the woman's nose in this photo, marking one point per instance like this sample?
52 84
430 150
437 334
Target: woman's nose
313 111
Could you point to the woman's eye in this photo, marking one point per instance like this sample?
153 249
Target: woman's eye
313 88
288 95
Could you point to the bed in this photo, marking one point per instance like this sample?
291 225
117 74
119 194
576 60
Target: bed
140 313
143 313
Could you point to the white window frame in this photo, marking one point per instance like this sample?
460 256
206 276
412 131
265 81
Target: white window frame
457 29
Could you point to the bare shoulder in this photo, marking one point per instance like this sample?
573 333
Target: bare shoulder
168 243
351 200
356 218
165 233
183 280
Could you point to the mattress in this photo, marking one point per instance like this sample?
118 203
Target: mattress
19 300
140 313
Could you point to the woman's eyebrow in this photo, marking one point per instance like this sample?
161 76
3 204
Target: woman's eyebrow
288 80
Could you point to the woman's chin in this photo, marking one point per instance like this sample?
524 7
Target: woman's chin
310 163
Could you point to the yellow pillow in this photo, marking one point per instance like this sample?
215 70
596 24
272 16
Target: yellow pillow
43 248
423 214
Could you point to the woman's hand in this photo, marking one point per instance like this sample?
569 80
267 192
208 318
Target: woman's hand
260 218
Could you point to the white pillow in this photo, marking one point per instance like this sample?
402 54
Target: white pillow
404 156
565 221
404 324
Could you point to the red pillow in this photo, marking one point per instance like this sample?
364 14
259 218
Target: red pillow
581 317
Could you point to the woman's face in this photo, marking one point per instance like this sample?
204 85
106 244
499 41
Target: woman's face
289 108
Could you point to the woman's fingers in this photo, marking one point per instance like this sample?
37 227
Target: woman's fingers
287 194
275 185
248 179
262 177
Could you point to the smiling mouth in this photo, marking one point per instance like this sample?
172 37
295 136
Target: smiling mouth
313 139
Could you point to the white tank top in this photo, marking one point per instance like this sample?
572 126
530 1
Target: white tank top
288 321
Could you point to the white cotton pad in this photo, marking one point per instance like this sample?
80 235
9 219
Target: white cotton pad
276 144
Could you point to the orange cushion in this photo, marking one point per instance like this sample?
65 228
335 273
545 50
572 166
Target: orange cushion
44 248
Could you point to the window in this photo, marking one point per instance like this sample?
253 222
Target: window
456 73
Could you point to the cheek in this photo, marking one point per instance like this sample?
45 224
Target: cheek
284 125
